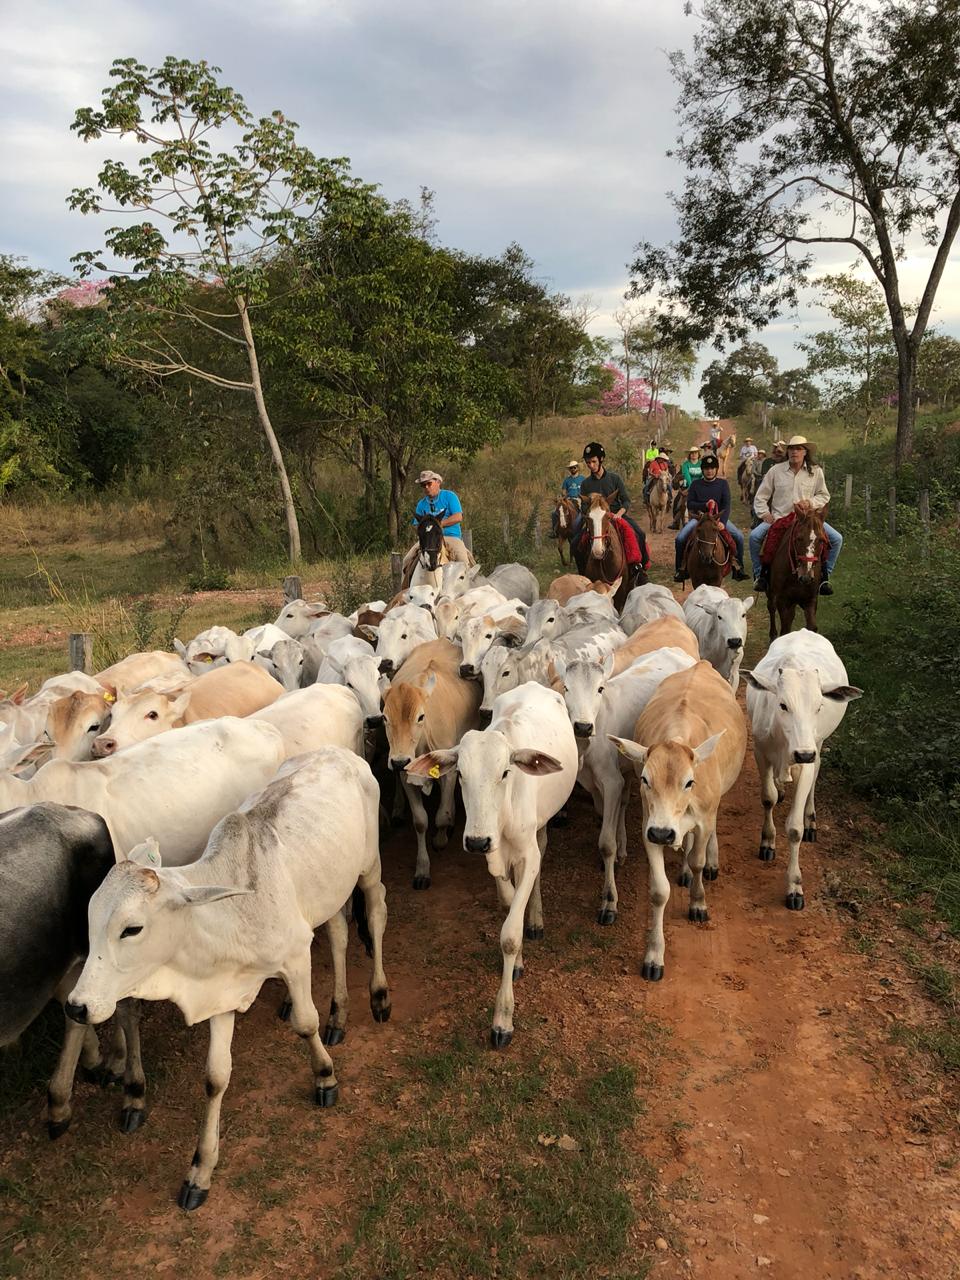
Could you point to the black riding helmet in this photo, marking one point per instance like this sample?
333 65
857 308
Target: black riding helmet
709 461
594 450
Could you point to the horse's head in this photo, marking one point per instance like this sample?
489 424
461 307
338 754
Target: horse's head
563 514
598 517
430 538
807 537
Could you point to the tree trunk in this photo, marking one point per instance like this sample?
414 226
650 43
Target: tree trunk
394 518
906 407
293 527
368 465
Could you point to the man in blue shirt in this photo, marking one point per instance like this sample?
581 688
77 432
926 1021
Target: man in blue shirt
442 503
570 488
708 487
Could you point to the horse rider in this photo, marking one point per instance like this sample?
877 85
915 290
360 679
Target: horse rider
748 450
441 503
709 488
716 435
795 485
777 454
658 466
690 470
610 486
569 488
651 452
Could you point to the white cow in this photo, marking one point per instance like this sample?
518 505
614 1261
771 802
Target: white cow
719 622
503 669
284 661
600 705
323 715
399 634
515 776
478 633
207 936
515 580
351 663
177 786
647 603
797 696
298 617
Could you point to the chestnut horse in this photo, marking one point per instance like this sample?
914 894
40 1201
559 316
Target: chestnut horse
706 557
658 502
567 512
795 573
600 555
723 454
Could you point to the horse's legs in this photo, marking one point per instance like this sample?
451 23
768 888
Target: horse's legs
788 612
772 610
810 613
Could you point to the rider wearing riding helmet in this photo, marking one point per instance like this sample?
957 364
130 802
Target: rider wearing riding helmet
610 486
709 488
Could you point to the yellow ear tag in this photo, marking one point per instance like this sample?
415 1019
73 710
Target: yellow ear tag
434 771
109 697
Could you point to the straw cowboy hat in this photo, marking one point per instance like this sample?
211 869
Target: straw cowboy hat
573 465
796 442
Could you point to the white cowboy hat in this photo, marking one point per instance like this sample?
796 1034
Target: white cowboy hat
795 442
572 463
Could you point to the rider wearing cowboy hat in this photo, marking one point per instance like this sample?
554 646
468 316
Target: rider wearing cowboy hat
709 488
570 488
795 485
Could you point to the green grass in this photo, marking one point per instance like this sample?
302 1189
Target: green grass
941 1043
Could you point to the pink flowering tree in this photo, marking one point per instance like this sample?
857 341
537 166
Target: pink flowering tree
86 293
615 398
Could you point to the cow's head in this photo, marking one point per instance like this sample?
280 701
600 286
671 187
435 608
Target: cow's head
74 723
795 697
583 683
667 773
405 714
138 716
499 672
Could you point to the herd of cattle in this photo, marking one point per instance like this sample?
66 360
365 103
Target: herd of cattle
176 827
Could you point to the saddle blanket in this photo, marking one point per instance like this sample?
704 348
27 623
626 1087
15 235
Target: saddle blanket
775 536
631 544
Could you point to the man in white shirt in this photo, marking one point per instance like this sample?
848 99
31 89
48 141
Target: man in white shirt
795 485
748 450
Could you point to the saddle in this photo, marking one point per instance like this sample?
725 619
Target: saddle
775 535
631 544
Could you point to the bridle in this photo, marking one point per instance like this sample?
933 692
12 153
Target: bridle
425 554
711 557
795 560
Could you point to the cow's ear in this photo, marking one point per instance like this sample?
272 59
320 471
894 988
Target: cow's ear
145 854
180 647
608 665
536 763
746 605
110 693
559 668
179 705
428 682
707 748
19 695
843 693
434 764
633 751
199 895
757 682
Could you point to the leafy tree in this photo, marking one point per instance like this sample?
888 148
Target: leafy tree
664 362
850 356
806 123
794 389
208 221
729 386
938 370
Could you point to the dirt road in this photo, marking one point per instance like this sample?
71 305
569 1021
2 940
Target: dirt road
780 1133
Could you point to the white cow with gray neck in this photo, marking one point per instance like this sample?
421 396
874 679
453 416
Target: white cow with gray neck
514 776
797 696
207 936
719 622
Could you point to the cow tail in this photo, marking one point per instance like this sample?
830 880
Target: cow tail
360 918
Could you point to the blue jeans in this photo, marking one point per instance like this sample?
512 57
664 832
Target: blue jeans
684 534
757 535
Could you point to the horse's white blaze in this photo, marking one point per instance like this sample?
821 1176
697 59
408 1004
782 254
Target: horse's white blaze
595 516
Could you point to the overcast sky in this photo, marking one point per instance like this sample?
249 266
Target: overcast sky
543 122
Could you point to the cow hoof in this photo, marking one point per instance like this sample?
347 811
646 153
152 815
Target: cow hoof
499 1039
809 835
326 1095
651 972
684 879
699 915
332 1035
380 1008
710 873
767 853
607 915
284 1010
421 882
533 932
794 901
517 972
57 1128
559 819
191 1197
131 1119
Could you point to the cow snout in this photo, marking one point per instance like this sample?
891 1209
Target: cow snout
662 835
468 671
476 844
486 715
804 757
582 729
103 747
734 643
78 1012
372 722
386 667
399 763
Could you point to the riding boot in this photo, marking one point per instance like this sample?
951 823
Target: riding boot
737 573
825 587
762 580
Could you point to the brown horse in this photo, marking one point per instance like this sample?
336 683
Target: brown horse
706 557
566 519
602 557
658 502
795 573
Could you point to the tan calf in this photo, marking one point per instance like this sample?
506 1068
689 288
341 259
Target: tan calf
140 667
567 585
234 690
429 707
661 633
687 751
74 722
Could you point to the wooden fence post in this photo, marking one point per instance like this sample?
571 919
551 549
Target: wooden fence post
892 512
396 570
848 493
925 521
468 540
537 534
292 589
81 652
505 528
866 505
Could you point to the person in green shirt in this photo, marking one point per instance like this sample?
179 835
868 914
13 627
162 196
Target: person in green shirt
690 471
652 452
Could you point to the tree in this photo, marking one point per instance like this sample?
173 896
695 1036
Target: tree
627 319
938 370
808 123
224 214
730 386
850 356
794 389
664 362
622 396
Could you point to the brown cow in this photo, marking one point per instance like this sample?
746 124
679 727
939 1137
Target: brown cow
74 722
567 585
429 707
687 750
661 633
